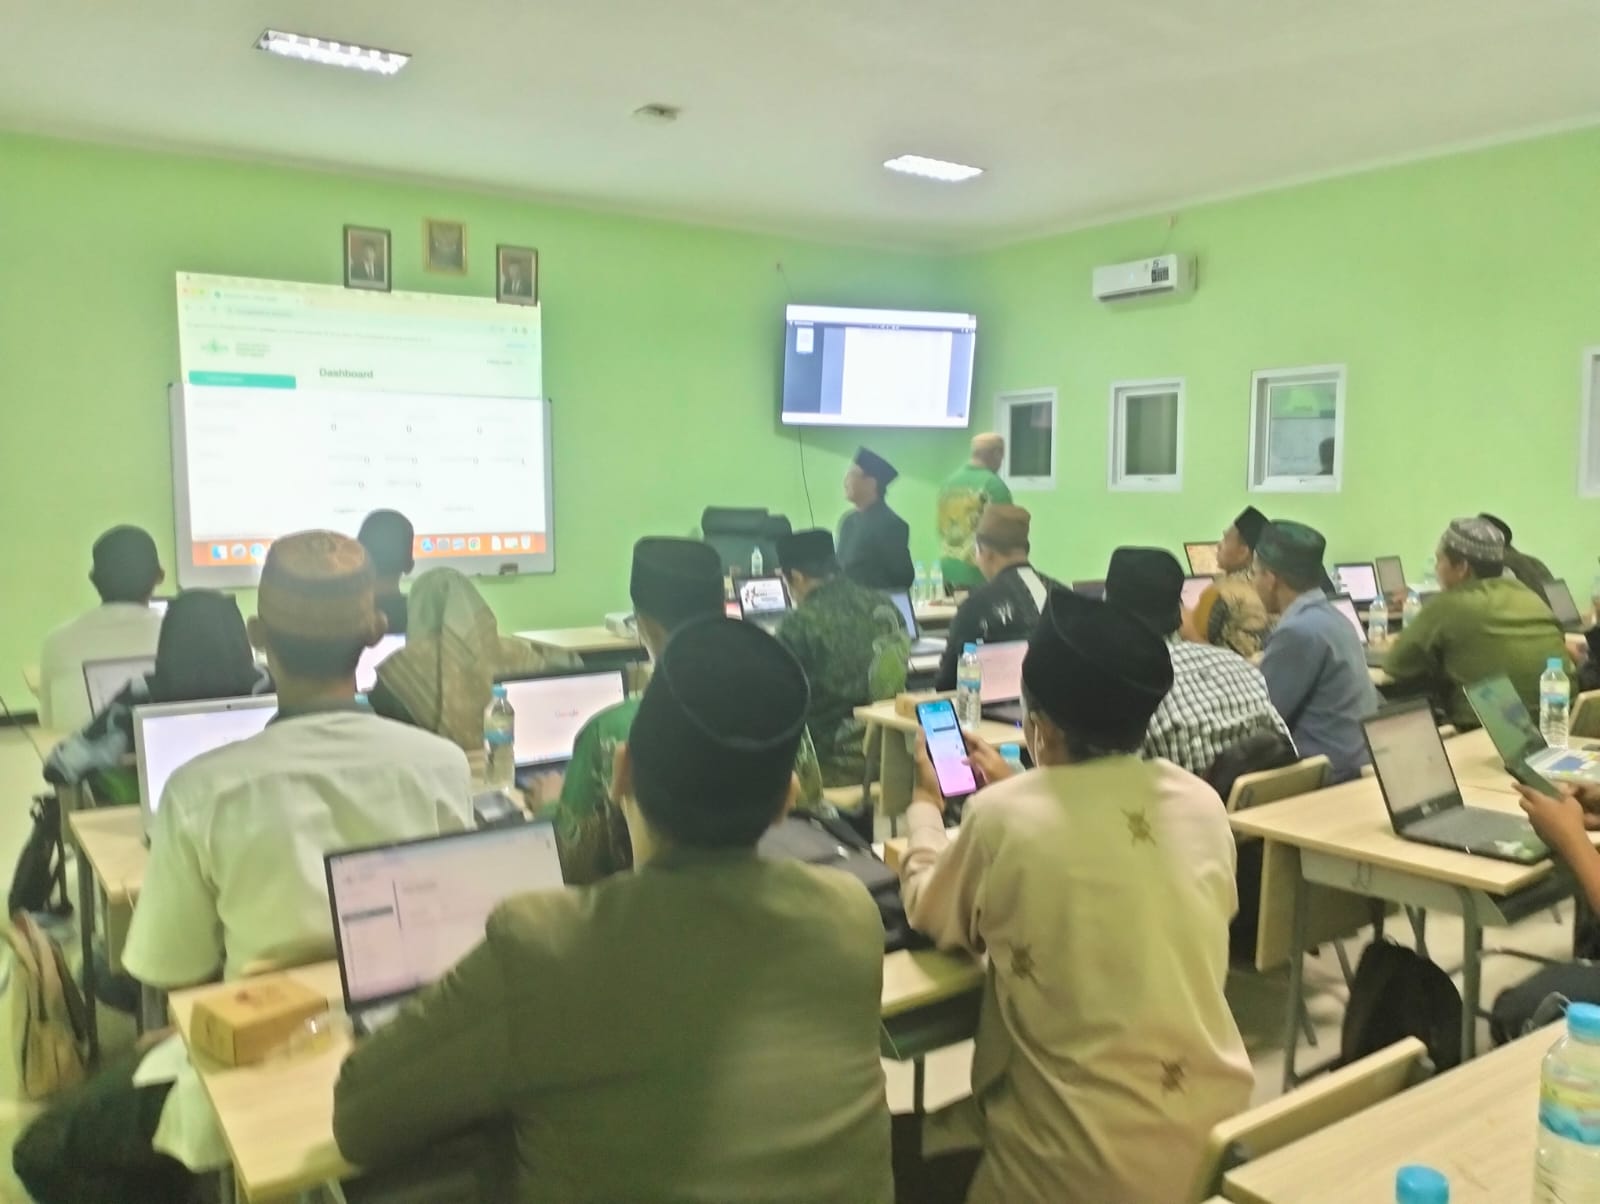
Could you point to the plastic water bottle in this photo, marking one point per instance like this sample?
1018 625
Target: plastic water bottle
1011 754
1378 624
1420 1185
757 563
1567 1167
1412 608
499 739
936 582
969 689
919 587
1594 599
1555 696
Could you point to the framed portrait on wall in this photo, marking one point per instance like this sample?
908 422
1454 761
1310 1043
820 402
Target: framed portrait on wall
516 275
366 258
444 247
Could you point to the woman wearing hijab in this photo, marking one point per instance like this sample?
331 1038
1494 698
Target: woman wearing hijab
441 679
203 652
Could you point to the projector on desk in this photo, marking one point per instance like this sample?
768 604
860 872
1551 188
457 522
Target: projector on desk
620 624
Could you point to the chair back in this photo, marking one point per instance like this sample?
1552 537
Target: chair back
1324 1101
736 532
1274 785
1586 715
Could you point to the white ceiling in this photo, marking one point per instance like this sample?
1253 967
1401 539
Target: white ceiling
1079 109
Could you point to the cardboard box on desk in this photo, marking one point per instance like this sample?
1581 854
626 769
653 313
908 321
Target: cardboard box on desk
243 1025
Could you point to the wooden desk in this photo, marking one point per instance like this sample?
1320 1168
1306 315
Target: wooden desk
1477 764
277 1117
111 862
935 616
582 641
897 750
32 679
1476 1124
1341 837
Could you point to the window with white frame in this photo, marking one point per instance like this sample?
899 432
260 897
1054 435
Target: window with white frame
1589 466
1028 422
1297 430
1147 435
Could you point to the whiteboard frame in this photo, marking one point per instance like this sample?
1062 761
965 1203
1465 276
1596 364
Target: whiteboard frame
248 576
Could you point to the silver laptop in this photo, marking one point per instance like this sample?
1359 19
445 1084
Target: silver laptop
1001 691
1343 604
1359 581
763 601
103 680
551 710
1419 788
371 658
1202 558
924 649
1559 599
404 914
1391 576
167 736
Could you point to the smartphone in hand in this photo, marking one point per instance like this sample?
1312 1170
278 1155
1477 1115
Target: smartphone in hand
1533 781
947 749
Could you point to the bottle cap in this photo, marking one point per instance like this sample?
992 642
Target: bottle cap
497 691
970 648
1583 1021
1013 752
1421 1185
1553 663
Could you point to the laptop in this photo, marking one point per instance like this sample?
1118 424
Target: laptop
1359 581
1193 587
371 658
169 735
1347 608
103 680
1391 576
1424 802
1559 599
403 914
551 710
1090 589
1001 693
1519 741
1202 558
924 649
763 601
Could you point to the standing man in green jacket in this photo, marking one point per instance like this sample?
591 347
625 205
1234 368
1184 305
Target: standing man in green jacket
1482 624
704 1028
852 644
961 501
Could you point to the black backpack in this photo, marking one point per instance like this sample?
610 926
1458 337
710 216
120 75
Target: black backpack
41 866
1399 993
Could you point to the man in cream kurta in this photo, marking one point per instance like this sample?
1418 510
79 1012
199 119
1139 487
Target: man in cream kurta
1101 887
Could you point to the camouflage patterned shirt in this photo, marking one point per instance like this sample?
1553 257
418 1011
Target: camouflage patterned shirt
1236 617
852 643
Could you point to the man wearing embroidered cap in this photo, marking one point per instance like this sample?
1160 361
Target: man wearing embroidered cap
1101 887
874 541
1008 606
236 877
1483 624
704 1028
1229 613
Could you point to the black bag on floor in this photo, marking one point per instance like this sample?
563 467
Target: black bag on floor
39 866
1399 993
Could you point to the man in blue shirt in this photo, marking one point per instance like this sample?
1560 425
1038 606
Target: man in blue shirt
1315 667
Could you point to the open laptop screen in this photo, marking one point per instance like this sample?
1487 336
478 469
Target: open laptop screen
760 596
1391 575
104 679
1202 558
551 711
1505 718
170 736
1347 608
1360 581
1002 670
1411 763
404 914
1193 587
1559 597
902 602
371 658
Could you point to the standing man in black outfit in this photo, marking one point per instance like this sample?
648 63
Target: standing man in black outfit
874 541
1009 605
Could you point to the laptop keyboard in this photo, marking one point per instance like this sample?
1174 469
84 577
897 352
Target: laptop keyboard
1475 825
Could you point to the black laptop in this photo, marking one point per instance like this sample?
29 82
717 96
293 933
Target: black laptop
1559 599
1425 805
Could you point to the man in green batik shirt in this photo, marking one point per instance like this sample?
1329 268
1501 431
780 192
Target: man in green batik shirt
852 643
961 502
675 581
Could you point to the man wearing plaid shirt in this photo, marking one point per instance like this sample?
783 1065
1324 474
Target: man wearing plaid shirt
1218 699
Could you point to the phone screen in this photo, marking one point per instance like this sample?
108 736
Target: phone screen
947 749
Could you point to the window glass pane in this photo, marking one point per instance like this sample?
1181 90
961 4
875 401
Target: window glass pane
1029 439
1592 469
1301 419
1150 435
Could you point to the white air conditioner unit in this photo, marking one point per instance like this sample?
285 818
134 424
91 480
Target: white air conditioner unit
1144 278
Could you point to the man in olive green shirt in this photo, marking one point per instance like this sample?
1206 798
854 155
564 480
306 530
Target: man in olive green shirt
675 581
1481 625
961 502
702 1029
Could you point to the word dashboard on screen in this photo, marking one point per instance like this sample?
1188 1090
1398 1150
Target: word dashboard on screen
309 405
877 367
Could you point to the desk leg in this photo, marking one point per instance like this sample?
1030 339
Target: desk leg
1297 953
86 936
919 1087
152 1008
1471 976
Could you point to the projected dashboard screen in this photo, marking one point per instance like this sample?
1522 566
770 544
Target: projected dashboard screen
877 367
310 405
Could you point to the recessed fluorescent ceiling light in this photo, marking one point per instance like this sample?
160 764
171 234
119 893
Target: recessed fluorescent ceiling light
331 54
933 169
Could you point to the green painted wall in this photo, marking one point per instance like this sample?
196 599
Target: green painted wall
1460 292
662 353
